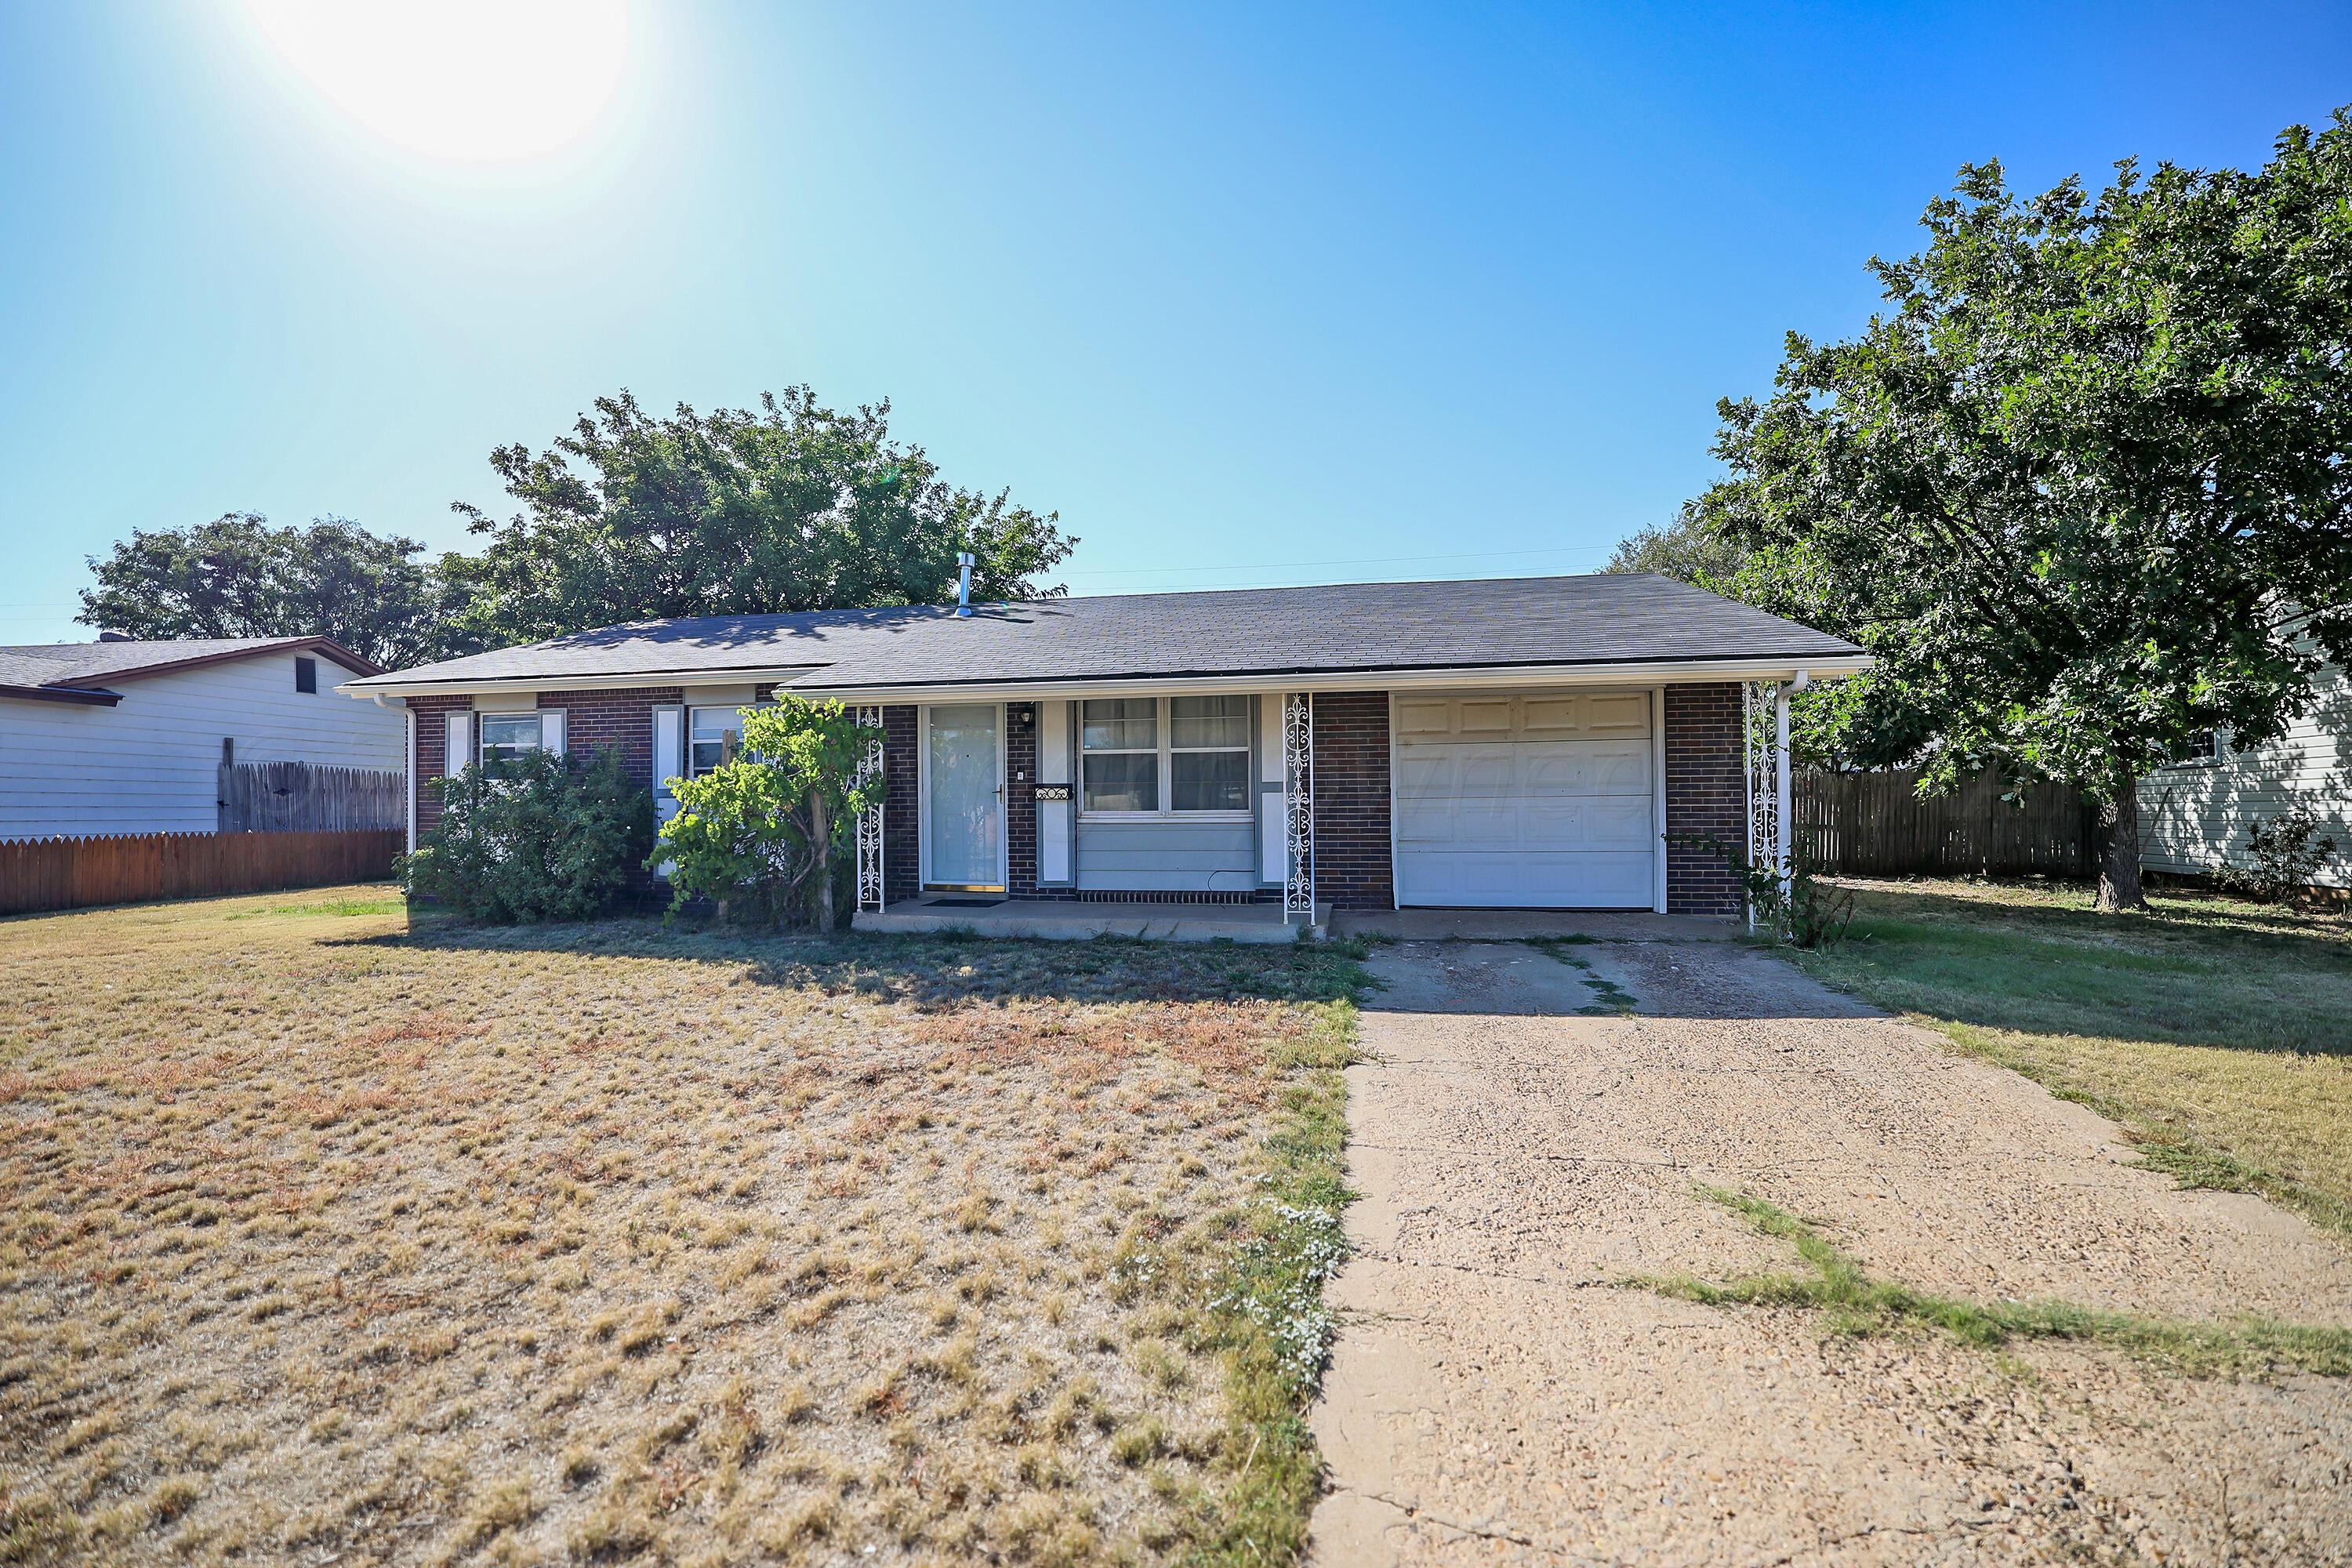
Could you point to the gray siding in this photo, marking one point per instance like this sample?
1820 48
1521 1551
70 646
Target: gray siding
2195 819
1168 856
149 764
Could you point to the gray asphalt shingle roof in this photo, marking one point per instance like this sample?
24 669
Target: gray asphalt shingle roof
84 666
1617 618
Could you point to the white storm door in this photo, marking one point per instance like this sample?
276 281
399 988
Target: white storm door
964 798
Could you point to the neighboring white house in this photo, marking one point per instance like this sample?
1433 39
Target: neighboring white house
2195 813
123 736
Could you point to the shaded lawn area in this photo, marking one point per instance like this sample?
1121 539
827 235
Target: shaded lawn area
329 1239
2218 1032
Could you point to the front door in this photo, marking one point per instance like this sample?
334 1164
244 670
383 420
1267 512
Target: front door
964 803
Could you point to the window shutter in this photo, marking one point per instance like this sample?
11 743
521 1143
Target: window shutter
550 730
670 756
459 750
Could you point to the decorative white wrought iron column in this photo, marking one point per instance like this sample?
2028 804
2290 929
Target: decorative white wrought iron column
1764 738
1783 819
869 821
1298 806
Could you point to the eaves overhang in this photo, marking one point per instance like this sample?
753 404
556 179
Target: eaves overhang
1645 673
750 674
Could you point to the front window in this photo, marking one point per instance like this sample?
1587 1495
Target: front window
507 736
1119 753
716 738
1203 754
1208 740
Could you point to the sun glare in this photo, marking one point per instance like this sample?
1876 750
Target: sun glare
476 80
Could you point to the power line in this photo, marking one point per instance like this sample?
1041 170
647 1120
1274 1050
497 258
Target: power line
1580 551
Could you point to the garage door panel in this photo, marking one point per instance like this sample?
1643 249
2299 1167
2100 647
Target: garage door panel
1563 879
1527 800
1618 713
1583 767
1560 716
1424 716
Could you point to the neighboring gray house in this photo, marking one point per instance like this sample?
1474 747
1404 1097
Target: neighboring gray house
2195 813
1557 741
124 736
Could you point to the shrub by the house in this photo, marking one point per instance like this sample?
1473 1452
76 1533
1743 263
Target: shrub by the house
763 832
539 838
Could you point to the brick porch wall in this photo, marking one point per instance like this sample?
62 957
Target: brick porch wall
902 865
1706 795
1352 866
1020 804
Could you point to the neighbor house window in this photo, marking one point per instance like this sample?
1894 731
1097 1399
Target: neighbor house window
305 675
1202 753
507 736
2201 749
715 736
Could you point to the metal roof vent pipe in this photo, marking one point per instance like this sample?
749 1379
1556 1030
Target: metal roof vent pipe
963 584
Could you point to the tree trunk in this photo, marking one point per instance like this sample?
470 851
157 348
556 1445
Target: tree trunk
821 845
2120 885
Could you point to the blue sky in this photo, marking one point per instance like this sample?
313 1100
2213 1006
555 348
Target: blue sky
1249 294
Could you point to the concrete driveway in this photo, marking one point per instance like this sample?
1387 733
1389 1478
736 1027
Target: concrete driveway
1501 1394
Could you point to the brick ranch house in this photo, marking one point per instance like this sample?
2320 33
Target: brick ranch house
1523 743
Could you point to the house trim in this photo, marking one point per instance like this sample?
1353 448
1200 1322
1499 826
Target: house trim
1263 683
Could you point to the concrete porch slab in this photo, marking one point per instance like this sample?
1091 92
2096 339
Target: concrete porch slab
1060 920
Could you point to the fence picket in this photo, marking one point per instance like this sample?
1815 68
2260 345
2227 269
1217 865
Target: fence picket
1877 823
41 874
299 797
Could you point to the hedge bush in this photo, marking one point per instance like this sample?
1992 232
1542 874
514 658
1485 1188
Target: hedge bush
539 838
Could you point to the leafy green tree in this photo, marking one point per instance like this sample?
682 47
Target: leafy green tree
2079 486
794 507
767 826
537 837
238 577
1690 549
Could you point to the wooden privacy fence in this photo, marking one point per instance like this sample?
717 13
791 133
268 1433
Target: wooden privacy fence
39 874
296 797
1877 823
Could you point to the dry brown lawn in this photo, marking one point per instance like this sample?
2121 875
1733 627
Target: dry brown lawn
327 1241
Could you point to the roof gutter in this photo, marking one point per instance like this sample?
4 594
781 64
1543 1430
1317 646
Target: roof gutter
801 679
86 696
462 685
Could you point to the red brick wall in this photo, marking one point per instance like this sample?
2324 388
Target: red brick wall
432 742
1353 869
1706 797
619 721
902 866
1021 802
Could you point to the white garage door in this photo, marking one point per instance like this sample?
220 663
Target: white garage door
1535 800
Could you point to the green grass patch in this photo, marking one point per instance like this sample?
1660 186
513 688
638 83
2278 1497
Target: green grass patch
332 908
1857 1304
1268 1310
1609 1000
